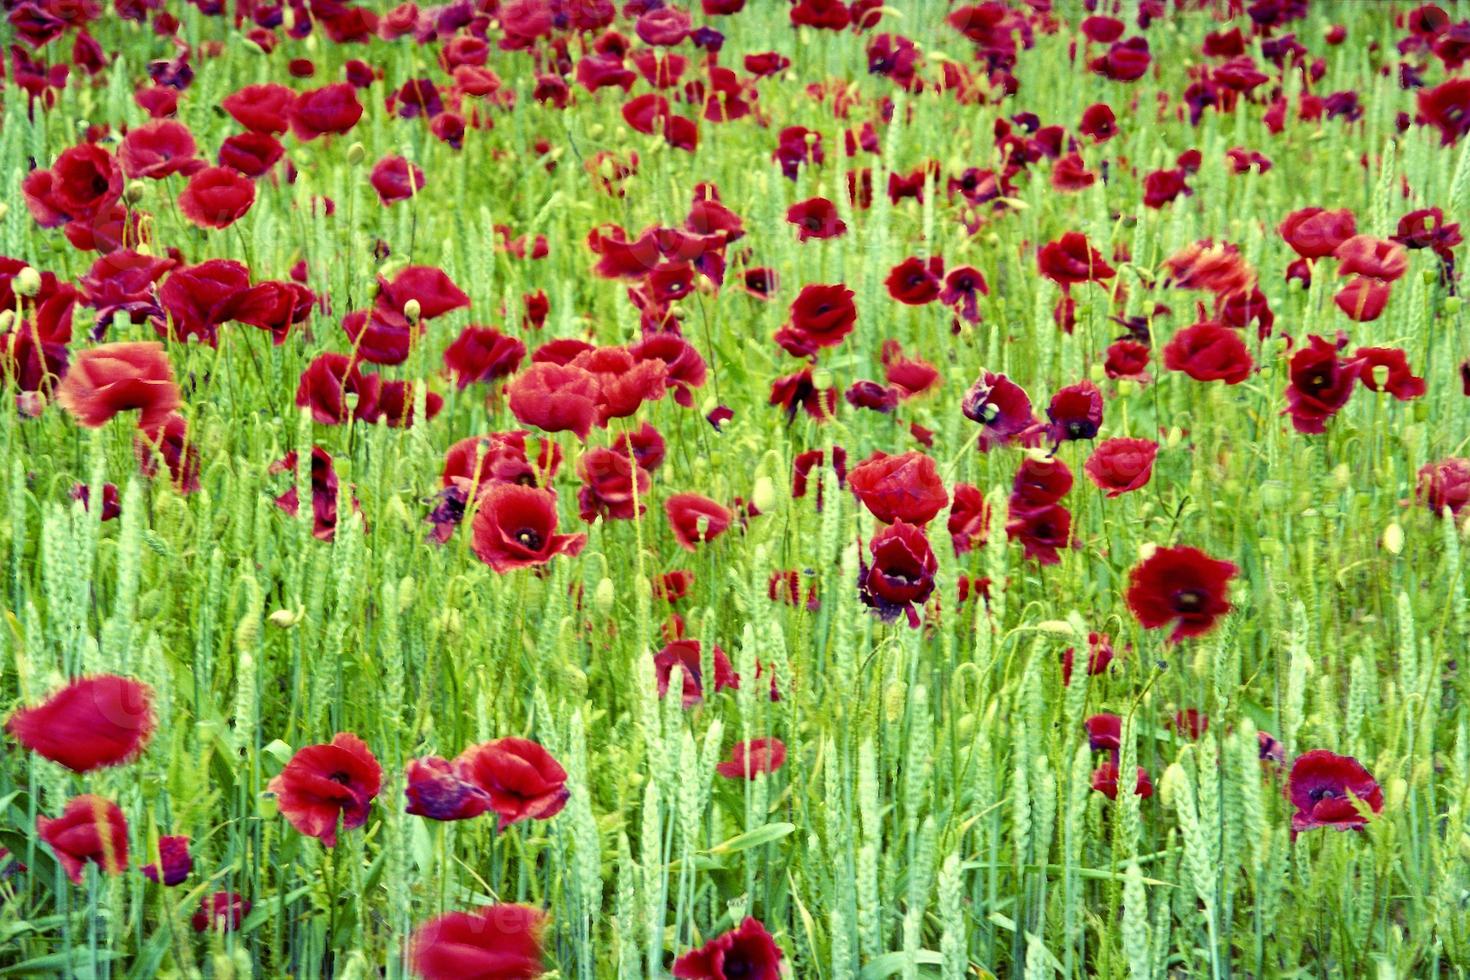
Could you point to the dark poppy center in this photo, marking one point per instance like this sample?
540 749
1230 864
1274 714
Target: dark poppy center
1189 600
738 966
341 777
1322 793
529 538
989 412
1078 429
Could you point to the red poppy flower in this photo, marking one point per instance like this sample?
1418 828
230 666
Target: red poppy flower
556 398
499 942
91 723
754 758
686 655
1039 483
1218 268
329 109
821 316
915 282
904 488
902 573
1105 781
90 830
969 518
684 366
1321 384
83 183
1375 258
1209 352
427 285
482 354
798 392
324 786
1127 359
695 518
1446 107
623 382
251 154
1326 788
1161 187
262 108
1183 586
158 149
174 862
815 218
170 441
1075 412
436 789
395 179
645 444
1071 174
521 778
216 197
113 378
1104 732
1001 407
746 952
1387 369
1071 259
1314 233
323 492
111 499
1098 123
1043 531
515 527
608 486
1363 299
1099 655
1445 484
325 385
220 912
1118 466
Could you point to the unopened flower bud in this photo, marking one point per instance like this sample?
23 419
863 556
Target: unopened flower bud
27 283
411 311
822 378
355 154
1452 305
763 496
285 618
135 191
1427 276
1393 538
603 596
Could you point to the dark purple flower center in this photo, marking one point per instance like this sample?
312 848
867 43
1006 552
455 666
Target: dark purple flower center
529 538
1189 600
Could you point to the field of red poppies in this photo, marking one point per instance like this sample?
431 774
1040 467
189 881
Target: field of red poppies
734 489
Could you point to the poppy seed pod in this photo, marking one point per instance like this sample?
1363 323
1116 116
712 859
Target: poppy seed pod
27 283
412 310
1393 538
135 191
356 153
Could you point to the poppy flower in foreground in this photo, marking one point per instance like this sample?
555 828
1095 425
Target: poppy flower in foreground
437 790
174 862
746 952
325 784
1118 466
1183 586
1001 407
821 315
113 378
754 758
904 488
1104 731
222 912
499 942
556 398
521 778
1325 788
1445 484
1071 259
515 527
1075 412
902 573
216 197
1209 352
1321 384
89 830
90 723
694 518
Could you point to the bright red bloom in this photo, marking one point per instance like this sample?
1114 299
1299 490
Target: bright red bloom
1220 269
1392 366
325 385
90 830
252 154
482 354
91 723
1002 408
915 282
1104 732
83 183
745 953
515 527
1363 299
1043 531
1125 61
1183 586
1446 107
646 445
686 655
1039 483
1071 259
324 786
821 316
174 862
623 382
1321 384
157 149
1075 412
221 911
326 110
1445 484
1162 186
1121 465
754 758
522 779
1127 359
1105 781
902 573
1375 258
216 197
427 285
1314 233
826 15
608 485
694 518
1099 655
395 179
904 488
1326 788
261 108
556 398
113 378
815 218
1209 352
499 942
1098 123
969 518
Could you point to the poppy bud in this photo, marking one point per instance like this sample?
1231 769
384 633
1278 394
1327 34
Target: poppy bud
7 317
27 283
596 130
135 191
1175 436
1393 538
1452 305
895 699
1397 790
1125 387
1097 373
4 210
285 618
603 596
1428 276
450 623
821 378
1342 475
764 495
1273 494
355 154
411 311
